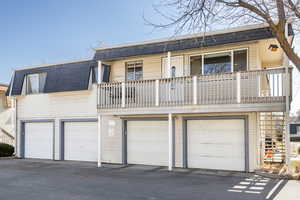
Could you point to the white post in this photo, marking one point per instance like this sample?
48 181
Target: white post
156 92
99 139
169 64
14 123
99 71
99 74
170 166
238 87
123 94
195 94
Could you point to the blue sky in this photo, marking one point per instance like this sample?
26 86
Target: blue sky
37 32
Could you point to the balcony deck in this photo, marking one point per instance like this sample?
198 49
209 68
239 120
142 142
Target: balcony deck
262 90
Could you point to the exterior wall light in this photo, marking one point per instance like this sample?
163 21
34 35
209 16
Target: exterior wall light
273 47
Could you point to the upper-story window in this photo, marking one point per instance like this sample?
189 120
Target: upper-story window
222 62
298 130
35 83
134 70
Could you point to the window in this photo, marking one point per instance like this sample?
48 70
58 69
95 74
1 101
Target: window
134 70
298 130
215 63
35 83
240 60
94 74
196 65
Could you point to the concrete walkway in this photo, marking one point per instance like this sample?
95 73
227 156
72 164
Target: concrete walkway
291 191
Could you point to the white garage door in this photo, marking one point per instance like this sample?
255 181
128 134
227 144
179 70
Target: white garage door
147 142
216 144
39 140
80 141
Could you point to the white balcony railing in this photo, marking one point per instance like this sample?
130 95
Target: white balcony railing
263 86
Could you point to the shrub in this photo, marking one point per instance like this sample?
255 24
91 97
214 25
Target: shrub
6 150
298 150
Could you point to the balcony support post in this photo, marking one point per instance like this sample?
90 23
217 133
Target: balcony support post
238 87
156 92
195 89
169 65
171 142
123 95
99 163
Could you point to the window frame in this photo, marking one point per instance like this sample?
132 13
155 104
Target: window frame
298 130
126 69
216 52
27 76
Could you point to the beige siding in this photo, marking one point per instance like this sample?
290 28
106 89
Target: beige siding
56 106
152 63
112 138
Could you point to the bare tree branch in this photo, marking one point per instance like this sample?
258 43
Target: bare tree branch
202 15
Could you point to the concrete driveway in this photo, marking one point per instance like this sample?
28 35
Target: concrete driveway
56 180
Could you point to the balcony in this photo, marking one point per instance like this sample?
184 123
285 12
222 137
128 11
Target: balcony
244 91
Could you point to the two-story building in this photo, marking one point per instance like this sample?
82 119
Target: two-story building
217 101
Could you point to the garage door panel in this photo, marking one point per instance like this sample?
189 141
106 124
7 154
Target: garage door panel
39 140
216 144
80 141
219 163
147 142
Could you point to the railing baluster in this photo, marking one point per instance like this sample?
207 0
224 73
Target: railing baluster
265 86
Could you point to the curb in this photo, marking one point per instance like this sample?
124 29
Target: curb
273 176
8 158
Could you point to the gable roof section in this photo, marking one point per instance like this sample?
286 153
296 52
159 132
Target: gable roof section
60 77
163 46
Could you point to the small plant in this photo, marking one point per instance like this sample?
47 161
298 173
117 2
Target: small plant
6 150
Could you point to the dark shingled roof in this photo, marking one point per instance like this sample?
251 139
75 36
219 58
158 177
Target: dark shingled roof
60 78
182 44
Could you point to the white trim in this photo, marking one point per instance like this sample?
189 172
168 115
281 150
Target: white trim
52 64
170 123
99 164
241 28
99 71
169 64
231 59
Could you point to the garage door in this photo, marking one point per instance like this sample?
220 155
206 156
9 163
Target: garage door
147 142
39 140
216 144
80 141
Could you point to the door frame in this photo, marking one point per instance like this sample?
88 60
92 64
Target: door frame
124 134
185 135
22 134
62 133
163 70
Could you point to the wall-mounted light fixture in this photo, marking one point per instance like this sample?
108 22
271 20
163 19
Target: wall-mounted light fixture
273 47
